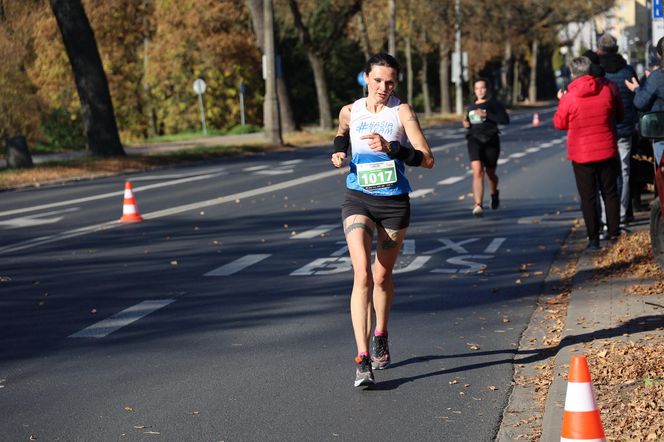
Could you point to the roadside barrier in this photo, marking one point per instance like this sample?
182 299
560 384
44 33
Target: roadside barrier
130 212
581 419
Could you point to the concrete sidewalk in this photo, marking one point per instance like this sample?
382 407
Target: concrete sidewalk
146 149
598 309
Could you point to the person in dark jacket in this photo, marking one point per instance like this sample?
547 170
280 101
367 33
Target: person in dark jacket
649 96
617 70
482 120
588 111
596 69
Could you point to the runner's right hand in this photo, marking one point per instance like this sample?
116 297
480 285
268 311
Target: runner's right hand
338 159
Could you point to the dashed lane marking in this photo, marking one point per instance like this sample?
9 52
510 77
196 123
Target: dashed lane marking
237 265
420 193
315 232
451 180
254 168
109 194
172 211
121 319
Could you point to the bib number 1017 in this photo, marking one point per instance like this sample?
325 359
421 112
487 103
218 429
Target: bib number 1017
376 175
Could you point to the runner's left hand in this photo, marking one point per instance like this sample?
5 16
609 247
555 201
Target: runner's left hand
376 142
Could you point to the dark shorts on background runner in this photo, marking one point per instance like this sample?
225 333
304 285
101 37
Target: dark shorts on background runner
486 153
391 212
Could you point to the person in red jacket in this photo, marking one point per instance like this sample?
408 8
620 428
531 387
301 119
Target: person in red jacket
588 111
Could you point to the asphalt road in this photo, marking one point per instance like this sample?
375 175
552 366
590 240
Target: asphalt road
224 315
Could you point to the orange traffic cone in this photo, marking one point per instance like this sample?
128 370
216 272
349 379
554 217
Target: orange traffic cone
130 212
536 121
581 420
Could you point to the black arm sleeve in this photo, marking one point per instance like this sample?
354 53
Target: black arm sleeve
496 112
341 144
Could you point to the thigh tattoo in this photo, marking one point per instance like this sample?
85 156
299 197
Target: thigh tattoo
353 226
391 241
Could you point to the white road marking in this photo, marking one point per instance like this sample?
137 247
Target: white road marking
324 266
315 232
420 193
172 211
408 247
291 162
494 245
121 319
275 172
417 264
254 168
109 194
451 180
502 161
237 265
162 177
453 245
37 219
533 149
518 155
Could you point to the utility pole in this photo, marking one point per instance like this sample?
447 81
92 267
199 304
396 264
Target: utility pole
457 48
271 105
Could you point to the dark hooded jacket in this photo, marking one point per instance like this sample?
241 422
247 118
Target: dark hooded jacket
617 70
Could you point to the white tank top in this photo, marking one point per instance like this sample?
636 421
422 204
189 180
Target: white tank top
386 123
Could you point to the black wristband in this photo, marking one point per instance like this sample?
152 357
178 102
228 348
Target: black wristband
396 150
341 144
415 158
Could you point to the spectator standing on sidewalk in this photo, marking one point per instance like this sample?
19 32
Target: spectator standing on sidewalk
588 111
650 96
617 70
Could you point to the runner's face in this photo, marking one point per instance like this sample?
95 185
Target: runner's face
381 82
480 90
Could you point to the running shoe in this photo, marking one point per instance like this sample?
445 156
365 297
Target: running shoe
380 353
478 211
495 200
363 372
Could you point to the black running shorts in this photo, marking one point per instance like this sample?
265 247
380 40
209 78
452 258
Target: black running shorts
486 153
391 212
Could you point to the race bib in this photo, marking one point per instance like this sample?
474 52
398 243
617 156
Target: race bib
376 175
474 118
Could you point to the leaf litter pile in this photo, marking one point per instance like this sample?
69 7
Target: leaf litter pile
628 376
627 373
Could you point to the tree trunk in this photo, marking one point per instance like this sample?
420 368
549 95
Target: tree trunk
409 71
532 86
444 72
288 123
365 43
516 89
505 84
99 119
425 86
392 28
271 105
322 94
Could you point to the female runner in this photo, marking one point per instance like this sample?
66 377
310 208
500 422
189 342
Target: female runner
376 199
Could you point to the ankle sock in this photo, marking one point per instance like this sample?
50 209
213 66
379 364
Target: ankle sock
380 333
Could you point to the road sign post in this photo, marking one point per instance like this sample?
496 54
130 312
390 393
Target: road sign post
243 89
199 88
362 81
